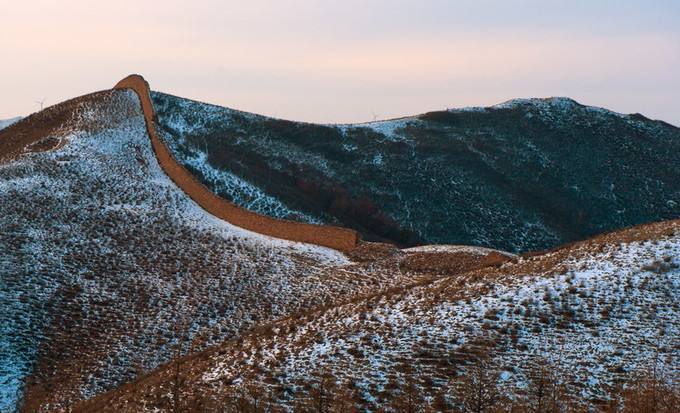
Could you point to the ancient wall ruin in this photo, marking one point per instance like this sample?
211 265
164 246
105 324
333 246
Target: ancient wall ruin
328 236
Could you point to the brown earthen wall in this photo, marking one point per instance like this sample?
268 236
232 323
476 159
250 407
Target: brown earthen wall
328 236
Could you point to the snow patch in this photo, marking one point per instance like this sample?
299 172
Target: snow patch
480 251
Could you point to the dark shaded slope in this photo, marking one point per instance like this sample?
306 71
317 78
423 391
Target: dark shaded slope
528 174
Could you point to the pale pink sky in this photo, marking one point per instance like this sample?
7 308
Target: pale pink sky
331 61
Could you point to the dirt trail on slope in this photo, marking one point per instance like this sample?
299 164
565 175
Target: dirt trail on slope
328 236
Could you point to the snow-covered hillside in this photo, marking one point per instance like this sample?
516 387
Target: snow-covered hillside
596 313
110 273
105 264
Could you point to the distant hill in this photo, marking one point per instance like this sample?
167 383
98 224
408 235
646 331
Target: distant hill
5 123
524 175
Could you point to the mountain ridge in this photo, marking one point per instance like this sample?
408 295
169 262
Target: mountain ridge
116 251
461 159
119 271
333 237
501 105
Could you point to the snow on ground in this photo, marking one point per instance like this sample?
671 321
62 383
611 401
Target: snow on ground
546 107
96 231
602 316
563 103
467 249
389 129
242 192
192 118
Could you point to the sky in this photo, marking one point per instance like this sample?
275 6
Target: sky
346 61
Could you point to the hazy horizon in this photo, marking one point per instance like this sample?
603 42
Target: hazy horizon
352 62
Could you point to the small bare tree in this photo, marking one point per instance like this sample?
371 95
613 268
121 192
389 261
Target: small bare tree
322 392
546 392
177 382
477 391
651 391
410 399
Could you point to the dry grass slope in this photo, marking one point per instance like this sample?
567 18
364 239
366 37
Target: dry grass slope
596 312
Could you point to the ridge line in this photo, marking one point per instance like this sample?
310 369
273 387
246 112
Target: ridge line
338 238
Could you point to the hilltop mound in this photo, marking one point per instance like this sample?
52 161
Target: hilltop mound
528 174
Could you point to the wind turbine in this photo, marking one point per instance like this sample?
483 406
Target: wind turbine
41 103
